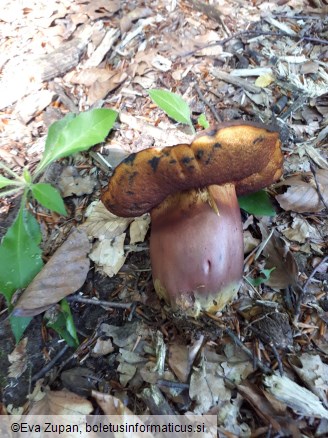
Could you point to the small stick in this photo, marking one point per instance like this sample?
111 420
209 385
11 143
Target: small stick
318 187
99 302
238 342
313 272
211 107
49 365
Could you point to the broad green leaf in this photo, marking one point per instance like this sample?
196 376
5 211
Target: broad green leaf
172 104
20 256
64 324
49 197
4 182
202 121
19 325
55 130
257 203
259 280
77 134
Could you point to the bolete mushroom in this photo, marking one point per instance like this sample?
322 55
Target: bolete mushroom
196 241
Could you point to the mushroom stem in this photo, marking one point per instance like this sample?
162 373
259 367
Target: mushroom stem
196 255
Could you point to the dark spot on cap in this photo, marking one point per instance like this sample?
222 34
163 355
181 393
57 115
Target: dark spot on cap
154 163
186 160
130 159
199 154
166 153
130 193
132 176
258 140
217 145
172 161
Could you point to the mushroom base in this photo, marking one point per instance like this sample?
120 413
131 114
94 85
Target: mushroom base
196 249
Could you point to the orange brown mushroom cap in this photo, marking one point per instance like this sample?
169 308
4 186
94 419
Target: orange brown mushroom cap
245 154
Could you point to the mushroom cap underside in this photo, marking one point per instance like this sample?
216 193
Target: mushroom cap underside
247 155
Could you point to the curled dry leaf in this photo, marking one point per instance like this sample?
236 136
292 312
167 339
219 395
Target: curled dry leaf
61 403
101 223
64 273
109 255
17 359
278 256
111 405
300 399
302 195
71 183
139 228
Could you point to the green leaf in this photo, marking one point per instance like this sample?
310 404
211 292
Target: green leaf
4 182
257 203
172 104
19 325
72 135
259 280
202 121
49 197
55 130
64 324
20 256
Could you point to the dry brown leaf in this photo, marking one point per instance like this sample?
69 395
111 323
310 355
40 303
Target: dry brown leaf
278 256
109 255
127 19
88 76
61 403
111 405
97 9
100 88
300 399
102 224
17 359
139 228
71 183
64 273
302 195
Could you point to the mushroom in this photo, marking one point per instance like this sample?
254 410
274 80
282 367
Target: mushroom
196 241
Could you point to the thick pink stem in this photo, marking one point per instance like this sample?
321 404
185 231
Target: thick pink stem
196 254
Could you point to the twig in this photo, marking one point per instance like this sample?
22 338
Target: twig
170 384
318 187
314 272
210 11
49 365
99 302
211 107
254 33
276 355
238 342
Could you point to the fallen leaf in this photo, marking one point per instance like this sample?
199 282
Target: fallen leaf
64 274
134 15
300 399
302 195
313 372
278 256
139 228
300 231
109 255
102 224
71 183
18 360
61 403
102 347
101 88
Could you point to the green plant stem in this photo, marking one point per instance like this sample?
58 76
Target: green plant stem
10 192
10 172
